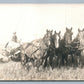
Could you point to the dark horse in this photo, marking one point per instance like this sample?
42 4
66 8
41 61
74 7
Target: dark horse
60 49
65 49
55 46
52 56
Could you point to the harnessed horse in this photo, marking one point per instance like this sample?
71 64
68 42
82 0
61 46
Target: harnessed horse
60 48
65 49
80 38
41 50
55 46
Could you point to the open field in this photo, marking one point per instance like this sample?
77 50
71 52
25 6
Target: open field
15 71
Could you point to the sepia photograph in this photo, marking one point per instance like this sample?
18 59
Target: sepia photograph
41 42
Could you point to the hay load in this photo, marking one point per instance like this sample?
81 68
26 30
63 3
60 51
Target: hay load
11 49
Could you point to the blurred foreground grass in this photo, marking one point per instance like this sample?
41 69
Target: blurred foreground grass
15 71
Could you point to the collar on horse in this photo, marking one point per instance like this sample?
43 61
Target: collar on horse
67 45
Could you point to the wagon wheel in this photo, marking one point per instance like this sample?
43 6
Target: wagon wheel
23 59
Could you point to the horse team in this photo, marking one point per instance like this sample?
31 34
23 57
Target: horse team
56 51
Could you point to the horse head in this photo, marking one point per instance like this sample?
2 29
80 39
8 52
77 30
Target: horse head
68 35
57 39
47 38
80 36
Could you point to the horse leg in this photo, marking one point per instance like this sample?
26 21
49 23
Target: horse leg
75 65
59 60
56 59
44 59
45 63
78 61
51 61
70 60
62 60
23 59
66 60
81 61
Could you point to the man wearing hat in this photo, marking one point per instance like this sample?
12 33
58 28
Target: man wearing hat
14 38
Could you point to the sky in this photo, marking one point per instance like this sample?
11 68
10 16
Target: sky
30 21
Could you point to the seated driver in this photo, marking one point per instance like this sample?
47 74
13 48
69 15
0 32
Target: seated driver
14 37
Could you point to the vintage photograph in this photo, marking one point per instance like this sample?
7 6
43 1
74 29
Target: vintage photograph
41 42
